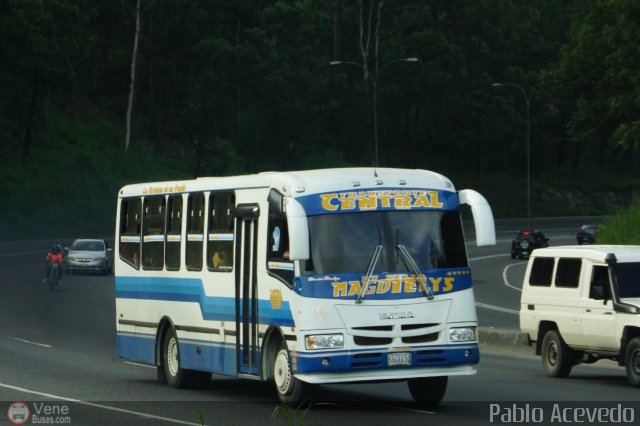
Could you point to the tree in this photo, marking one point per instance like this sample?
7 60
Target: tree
134 57
597 71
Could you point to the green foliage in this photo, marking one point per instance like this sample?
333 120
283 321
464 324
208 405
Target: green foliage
234 86
597 70
289 415
622 228
70 185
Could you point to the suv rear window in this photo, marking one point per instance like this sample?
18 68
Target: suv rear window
541 271
568 273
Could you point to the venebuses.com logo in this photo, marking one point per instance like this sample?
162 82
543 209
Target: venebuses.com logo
45 412
18 413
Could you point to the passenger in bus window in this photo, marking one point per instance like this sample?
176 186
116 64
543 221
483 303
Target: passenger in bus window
220 259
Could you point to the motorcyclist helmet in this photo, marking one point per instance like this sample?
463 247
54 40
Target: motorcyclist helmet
55 248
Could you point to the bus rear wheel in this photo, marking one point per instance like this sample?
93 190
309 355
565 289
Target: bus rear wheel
290 390
175 375
428 390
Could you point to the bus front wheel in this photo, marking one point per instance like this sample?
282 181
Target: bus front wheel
290 390
428 390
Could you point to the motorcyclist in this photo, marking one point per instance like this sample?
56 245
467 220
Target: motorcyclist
55 255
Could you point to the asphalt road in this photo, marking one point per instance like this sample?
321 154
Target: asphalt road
497 278
58 355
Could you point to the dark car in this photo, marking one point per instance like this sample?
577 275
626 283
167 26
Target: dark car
587 234
527 241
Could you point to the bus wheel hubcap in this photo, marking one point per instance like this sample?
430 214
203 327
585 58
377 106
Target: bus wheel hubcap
172 357
281 372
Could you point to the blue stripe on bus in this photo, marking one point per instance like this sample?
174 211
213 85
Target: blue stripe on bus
448 357
201 355
220 357
212 308
137 348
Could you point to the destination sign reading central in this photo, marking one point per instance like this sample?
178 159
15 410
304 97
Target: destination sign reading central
379 200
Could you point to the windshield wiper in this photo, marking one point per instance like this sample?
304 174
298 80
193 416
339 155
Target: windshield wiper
410 264
372 264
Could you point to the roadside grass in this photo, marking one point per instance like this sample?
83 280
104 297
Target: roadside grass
623 227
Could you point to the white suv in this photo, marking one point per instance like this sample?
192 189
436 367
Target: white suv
581 304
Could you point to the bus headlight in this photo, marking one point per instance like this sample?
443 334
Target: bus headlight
462 334
324 341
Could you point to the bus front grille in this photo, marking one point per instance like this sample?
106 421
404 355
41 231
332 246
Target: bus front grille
372 341
424 338
367 360
430 356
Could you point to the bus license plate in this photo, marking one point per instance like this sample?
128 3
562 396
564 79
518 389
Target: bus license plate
398 358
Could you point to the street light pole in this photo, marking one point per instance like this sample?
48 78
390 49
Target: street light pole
526 98
374 86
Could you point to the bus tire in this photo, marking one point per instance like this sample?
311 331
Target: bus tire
176 376
557 357
632 362
289 389
171 359
428 390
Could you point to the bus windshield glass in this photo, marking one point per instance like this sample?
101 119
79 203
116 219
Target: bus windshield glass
344 243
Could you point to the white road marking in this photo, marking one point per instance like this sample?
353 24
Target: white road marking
413 410
498 308
101 406
139 365
504 275
44 345
472 259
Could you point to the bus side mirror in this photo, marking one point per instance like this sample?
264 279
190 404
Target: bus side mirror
482 217
298 230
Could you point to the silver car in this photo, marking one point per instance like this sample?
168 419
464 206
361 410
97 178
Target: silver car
89 255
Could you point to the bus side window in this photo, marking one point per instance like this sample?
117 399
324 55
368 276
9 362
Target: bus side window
195 231
278 262
220 234
174 233
130 221
153 220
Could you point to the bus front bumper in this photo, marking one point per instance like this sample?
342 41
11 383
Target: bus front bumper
386 374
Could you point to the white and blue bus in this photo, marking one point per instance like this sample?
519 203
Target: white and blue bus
302 278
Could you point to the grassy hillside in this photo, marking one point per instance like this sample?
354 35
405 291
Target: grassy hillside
69 185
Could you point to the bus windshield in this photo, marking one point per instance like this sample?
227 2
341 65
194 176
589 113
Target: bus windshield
344 243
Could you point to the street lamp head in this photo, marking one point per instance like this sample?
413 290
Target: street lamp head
412 60
334 63
497 84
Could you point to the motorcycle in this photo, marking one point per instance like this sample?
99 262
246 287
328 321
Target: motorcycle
54 276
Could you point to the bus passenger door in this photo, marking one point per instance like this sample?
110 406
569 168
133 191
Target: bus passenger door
246 289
